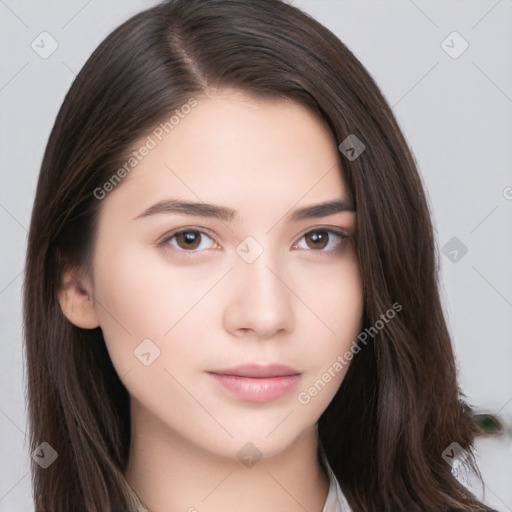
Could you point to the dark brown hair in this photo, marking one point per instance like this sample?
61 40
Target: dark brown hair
399 406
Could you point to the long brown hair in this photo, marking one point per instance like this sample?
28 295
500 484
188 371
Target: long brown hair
399 406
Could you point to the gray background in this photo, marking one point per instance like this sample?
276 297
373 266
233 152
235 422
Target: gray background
455 113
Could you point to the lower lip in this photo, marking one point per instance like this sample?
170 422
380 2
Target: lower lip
257 390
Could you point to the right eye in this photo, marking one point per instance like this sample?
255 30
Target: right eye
186 240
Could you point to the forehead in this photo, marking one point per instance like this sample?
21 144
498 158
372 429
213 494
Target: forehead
232 146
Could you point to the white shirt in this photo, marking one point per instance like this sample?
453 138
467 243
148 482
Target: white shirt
336 501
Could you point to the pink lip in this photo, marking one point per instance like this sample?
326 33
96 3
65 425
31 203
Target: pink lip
257 383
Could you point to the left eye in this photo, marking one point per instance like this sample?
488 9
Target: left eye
319 240
322 239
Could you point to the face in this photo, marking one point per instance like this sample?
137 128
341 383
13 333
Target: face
220 319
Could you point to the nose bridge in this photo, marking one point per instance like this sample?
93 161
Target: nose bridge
259 298
260 277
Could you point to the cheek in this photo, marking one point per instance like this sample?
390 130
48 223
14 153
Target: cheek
335 295
142 297
143 291
346 312
337 300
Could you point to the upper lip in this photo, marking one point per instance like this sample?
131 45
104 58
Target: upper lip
258 371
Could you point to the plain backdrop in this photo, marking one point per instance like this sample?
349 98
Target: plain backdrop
444 67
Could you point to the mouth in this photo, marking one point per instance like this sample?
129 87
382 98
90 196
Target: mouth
257 383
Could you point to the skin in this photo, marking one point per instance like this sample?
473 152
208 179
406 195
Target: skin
299 303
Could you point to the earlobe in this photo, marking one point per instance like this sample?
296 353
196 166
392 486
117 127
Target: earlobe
76 301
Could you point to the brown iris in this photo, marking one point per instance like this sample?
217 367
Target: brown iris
191 239
320 239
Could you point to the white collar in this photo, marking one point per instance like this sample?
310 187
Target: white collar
336 501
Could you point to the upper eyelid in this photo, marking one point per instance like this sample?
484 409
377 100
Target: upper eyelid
177 231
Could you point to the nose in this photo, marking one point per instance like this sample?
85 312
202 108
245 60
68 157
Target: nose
259 299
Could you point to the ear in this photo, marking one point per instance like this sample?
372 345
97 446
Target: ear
76 301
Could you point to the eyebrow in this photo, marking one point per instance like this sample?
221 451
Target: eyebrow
228 214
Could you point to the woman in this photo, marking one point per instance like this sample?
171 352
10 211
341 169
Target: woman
231 297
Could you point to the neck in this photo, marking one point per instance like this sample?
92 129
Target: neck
170 473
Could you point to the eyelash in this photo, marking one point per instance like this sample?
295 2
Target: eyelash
329 252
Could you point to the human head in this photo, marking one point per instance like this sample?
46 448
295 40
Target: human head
147 69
